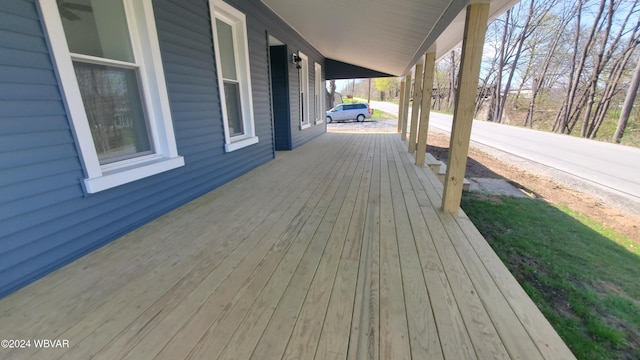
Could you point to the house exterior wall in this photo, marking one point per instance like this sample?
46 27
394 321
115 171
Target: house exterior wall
264 19
46 217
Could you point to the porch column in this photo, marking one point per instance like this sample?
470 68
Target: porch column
415 112
401 105
474 30
425 108
405 107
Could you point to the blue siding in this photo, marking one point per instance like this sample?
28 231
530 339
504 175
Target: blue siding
259 17
46 220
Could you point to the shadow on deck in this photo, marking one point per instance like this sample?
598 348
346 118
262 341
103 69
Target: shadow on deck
337 249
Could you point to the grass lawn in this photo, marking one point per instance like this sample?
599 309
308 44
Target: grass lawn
379 114
584 277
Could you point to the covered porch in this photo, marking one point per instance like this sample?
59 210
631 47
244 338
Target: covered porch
338 249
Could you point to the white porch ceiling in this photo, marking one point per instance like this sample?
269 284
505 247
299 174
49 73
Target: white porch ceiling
389 36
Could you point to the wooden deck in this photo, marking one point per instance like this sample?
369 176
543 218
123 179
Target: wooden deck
335 250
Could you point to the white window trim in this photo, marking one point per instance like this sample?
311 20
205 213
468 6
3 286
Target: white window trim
319 94
304 83
144 40
230 15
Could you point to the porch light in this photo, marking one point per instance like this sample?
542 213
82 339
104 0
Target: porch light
296 60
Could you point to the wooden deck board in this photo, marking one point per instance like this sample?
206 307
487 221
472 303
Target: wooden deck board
364 337
298 285
525 333
421 322
334 339
477 321
336 250
306 332
394 337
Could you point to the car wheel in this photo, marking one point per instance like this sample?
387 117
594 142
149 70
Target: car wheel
328 119
360 118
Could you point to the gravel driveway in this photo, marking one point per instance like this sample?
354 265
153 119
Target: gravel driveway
370 125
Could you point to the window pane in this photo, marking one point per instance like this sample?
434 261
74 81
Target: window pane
225 45
234 112
113 105
97 28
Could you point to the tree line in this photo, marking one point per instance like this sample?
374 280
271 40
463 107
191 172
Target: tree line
568 66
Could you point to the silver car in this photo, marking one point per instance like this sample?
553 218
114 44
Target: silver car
354 111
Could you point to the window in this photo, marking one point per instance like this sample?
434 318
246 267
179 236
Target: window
234 79
304 91
319 98
108 61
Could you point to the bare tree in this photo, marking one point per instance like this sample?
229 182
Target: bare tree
612 84
628 105
574 54
331 93
559 25
603 54
566 113
455 61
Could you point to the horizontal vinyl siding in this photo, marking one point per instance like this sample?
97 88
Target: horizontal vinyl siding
262 16
45 218
39 166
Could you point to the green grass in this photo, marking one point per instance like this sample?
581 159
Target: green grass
346 100
631 136
582 275
379 114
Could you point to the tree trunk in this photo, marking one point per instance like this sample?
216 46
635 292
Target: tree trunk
525 33
628 105
484 90
538 82
611 87
501 65
525 76
451 97
615 74
580 63
597 70
332 93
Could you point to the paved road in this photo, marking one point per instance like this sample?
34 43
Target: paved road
611 166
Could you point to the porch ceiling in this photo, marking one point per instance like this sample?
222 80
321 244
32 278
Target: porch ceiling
389 36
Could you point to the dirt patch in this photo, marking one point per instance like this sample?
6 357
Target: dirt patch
526 270
605 288
632 336
481 164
